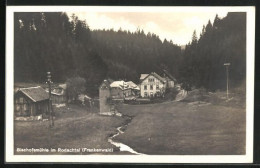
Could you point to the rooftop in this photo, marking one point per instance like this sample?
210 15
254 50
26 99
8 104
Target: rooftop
143 76
158 76
119 84
132 85
35 93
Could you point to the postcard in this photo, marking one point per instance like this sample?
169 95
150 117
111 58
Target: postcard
130 84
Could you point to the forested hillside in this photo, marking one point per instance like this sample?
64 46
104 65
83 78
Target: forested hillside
52 42
224 41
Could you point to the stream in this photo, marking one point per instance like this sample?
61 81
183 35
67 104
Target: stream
121 146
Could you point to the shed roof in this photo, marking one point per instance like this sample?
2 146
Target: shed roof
36 94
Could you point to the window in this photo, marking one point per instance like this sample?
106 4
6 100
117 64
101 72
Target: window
25 107
151 79
21 100
157 87
145 87
151 87
151 94
17 107
145 94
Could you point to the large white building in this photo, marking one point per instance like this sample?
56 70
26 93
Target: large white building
152 83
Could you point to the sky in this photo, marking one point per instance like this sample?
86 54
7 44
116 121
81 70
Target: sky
175 26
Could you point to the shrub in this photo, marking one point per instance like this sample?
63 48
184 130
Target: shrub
75 86
170 93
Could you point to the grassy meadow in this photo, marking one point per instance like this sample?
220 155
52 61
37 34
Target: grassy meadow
209 127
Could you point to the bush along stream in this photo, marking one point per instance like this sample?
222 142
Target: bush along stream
120 130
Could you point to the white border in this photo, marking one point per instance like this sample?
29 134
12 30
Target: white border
250 47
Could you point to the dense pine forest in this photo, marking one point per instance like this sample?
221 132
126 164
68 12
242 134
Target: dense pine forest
68 48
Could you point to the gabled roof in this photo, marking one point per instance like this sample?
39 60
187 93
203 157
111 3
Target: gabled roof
143 76
132 85
36 94
156 76
169 75
119 84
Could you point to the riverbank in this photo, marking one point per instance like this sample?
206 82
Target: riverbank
181 128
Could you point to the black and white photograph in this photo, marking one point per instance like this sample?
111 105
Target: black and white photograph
130 84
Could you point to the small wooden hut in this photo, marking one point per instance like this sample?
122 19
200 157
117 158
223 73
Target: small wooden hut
31 101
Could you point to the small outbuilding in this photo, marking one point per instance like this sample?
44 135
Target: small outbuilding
170 79
58 94
134 88
31 101
120 89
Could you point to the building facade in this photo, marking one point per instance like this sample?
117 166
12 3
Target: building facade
169 82
118 93
31 101
152 84
122 89
115 91
170 79
58 94
135 89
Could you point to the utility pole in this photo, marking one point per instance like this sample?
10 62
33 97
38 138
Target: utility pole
50 101
227 64
123 90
